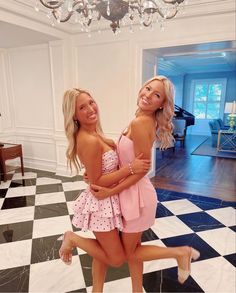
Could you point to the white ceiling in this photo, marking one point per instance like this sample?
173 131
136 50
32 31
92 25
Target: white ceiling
209 57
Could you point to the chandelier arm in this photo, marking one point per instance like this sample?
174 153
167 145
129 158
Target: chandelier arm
146 24
64 19
45 4
173 1
167 16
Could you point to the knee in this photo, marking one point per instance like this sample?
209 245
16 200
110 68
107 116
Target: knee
117 261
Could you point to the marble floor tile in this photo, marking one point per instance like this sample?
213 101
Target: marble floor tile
77 185
1 202
21 191
16 231
222 240
18 202
15 279
181 206
51 210
27 175
227 215
16 215
4 185
49 198
55 276
15 254
46 181
51 226
215 275
170 226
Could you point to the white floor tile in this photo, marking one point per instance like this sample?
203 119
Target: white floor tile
1 202
18 215
4 185
27 175
222 240
46 181
77 185
49 198
181 206
21 191
70 207
169 227
15 254
55 276
51 226
214 275
226 216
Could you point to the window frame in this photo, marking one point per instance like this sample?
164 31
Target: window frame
209 81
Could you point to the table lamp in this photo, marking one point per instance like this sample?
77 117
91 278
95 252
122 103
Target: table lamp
231 109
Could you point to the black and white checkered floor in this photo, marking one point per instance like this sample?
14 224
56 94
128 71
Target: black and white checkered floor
36 210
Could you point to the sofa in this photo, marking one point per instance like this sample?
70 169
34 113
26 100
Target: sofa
215 126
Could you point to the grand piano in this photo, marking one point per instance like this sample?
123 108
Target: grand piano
180 113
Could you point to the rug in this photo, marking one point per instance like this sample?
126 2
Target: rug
206 149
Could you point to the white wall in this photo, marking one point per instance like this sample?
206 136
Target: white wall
33 79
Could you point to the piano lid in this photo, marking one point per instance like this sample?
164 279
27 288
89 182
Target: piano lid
181 113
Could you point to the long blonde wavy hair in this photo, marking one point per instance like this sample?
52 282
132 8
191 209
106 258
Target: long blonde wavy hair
72 125
165 115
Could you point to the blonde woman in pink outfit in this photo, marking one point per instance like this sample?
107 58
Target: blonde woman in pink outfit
138 200
87 144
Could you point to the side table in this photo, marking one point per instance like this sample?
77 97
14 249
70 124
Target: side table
226 141
10 151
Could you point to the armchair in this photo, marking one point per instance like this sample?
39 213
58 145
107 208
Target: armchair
179 131
216 125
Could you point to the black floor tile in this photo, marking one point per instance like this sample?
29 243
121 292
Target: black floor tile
18 202
49 188
15 279
47 248
51 210
162 211
148 235
193 240
200 221
166 281
16 232
23 182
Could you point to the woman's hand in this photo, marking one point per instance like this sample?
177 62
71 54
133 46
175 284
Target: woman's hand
140 165
100 192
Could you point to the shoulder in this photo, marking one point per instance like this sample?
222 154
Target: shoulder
141 123
88 142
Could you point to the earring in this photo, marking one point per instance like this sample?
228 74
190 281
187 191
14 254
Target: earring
76 123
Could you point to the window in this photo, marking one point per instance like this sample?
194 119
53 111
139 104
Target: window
208 96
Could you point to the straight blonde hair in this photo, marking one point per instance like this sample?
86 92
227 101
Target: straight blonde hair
72 126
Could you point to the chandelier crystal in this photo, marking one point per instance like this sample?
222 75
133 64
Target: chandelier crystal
118 12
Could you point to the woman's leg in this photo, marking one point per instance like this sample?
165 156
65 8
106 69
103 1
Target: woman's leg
130 242
107 248
182 254
99 270
151 252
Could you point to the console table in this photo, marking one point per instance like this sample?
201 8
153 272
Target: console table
226 141
10 151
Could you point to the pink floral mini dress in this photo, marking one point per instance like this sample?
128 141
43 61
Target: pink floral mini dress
99 215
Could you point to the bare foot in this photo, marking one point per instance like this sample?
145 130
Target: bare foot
66 248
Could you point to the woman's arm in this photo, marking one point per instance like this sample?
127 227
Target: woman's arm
142 143
92 155
137 166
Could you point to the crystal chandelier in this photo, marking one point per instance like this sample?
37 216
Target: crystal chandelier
118 12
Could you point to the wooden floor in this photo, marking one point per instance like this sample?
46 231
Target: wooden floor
201 175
